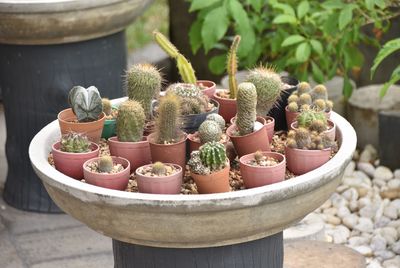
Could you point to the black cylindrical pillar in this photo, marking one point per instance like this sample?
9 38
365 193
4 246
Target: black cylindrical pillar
389 143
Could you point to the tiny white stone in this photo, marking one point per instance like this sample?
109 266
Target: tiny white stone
338 201
364 250
396 203
367 168
353 206
381 222
352 181
332 219
331 211
379 182
350 168
327 204
350 194
394 183
368 211
397 173
383 173
396 247
364 225
384 254
358 241
342 212
340 234
392 263
365 201
374 264
390 212
394 224
378 243
390 234
369 154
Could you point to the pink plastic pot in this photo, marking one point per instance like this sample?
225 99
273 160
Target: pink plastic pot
210 87
255 176
269 126
302 161
227 107
137 153
216 182
117 181
71 164
331 132
160 185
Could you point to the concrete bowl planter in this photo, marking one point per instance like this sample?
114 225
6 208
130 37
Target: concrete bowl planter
192 221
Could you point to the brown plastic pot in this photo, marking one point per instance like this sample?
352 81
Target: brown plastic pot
216 182
256 176
168 153
93 130
210 87
269 126
160 185
117 181
331 132
137 153
250 143
71 164
227 107
302 161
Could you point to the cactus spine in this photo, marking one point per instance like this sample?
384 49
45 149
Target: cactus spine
85 103
306 140
231 66
130 121
106 164
158 169
246 105
167 122
307 117
319 92
303 87
213 155
217 118
73 142
209 131
106 106
192 100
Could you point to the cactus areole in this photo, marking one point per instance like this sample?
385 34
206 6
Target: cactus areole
85 103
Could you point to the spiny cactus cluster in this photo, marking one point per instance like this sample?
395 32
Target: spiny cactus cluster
193 101
184 67
73 142
246 106
231 67
269 87
106 106
211 157
306 98
158 169
130 121
312 120
167 121
305 139
143 83
209 131
106 164
85 103
217 118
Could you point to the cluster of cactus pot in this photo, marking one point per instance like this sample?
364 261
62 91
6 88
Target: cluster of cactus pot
211 157
303 138
306 98
192 100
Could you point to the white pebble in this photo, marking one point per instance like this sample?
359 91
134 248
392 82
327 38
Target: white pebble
342 212
338 201
374 264
378 243
392 263
350 221
331 211
396 203
384 254
350 169
369 154
350 194
394 183
390 234
368 211
365 201
341 188
379 182
340 234
364 250
397 173
358 241
332 219
396 247
364 225
352 181
353 206
381 222
390 212
383 173
367 168
394 224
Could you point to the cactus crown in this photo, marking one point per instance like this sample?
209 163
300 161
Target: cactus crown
106 106
303 87
193 101
213 155
217 118
307 117
130 121
319 92
293 107
209 131
306 140
184 67
85 103
143 83
167 121
185 90
158 169
106 164
231 67
73 142
246 105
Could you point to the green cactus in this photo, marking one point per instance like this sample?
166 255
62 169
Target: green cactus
106 164
158 169
307 117
193 101
293 107
213 155
85 103
209 131
269 87
302 88
73 142
167 121
246 106
106 106
231 67
217 118
319 92
143 83
184 67
130 121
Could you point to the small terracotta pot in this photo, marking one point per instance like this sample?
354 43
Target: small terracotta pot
195 145
292 116
269 126
71 164
93 129
160 185
227 107
331 132
216 182
302 161
117 181
255 176
137 153
250 143
210 87
168 153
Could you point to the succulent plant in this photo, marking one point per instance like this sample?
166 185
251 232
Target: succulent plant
217 118
213 155
73 142
158 169
192 100
231 67
130 121
246 108
293 98
268 85
106 106
319 105
85 103
319 92
167 121
143 82
302 88
318 126
106 164
196 165
304 98
184 67
258 156
306 140
209 131
307 117
293 107
329 105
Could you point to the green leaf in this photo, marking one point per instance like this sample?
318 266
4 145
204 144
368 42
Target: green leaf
291 40
302 9
287 9
385 51
345 17
393 79
214 27
330 25
317 73
333 4
380 3
200 4
317 46
370 4
217 64
195 35
303 52
280 19
256 4
347 87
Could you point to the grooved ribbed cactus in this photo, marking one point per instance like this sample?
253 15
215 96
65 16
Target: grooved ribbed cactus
85 103
231 67
167 121
130 121
73 142
246 108
106 164
213 155
209 131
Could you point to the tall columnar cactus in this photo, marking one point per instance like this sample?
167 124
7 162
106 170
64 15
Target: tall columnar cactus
269 86
167 122
130 121
105 164
246 106
209 131
231 67
106 106
307 117
143 83
192 100
184 67
213 155
217 118
85 103
158 169
319 92
73 142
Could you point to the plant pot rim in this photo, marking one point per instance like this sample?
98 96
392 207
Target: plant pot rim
114 139
213 84
97 148
182 138
160 177
221 98
106 175
228 165
282 162
231 127
102 117
330 122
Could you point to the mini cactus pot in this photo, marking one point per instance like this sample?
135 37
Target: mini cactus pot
331 132
68 122
227 107
301 161
190 123
194 143
270 126
71 164
292 116
209 87
115 181
137 153
256 176
216 182
160 185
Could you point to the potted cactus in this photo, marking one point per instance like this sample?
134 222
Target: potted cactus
248 134
107 171
184 67
85 115
314 120
159 178
168 142
209 168
71 152
111 115
262 168
129 142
